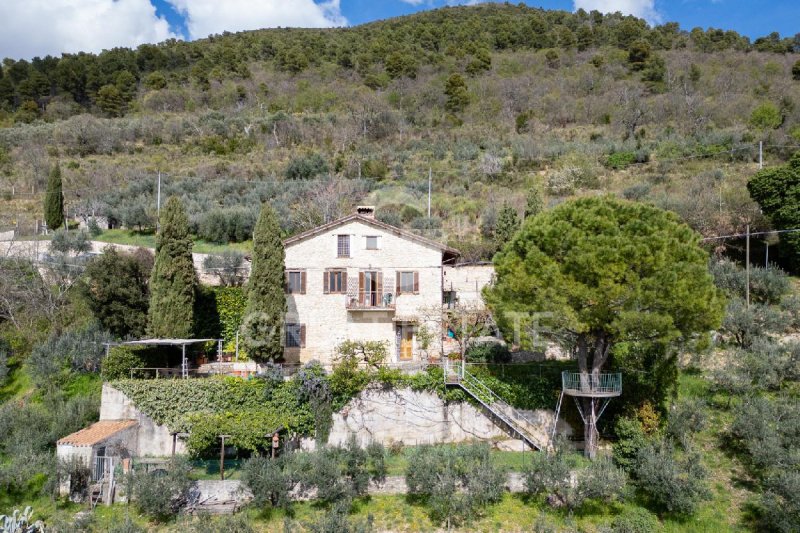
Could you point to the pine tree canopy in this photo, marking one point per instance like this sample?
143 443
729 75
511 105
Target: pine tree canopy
608 271
173 280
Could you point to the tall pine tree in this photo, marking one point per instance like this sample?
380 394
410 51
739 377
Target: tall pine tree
266 299
173 280
54 200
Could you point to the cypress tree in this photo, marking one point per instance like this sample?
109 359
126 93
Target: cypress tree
54 200
534 203
173 280
507 225
266 299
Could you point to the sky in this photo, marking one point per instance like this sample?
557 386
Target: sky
31 28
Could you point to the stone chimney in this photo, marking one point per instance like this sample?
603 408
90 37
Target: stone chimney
367 211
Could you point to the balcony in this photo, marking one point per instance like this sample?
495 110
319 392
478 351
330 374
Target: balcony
607 385
370 301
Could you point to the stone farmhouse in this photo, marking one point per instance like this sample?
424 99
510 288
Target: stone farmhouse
357 278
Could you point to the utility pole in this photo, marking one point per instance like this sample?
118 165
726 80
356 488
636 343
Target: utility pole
747 265
430 179
760 155
158 203
222 457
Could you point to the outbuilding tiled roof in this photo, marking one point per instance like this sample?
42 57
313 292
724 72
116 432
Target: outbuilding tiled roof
97 432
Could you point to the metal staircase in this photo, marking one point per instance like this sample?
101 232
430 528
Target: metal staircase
533 433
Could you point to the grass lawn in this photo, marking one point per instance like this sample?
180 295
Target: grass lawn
147 239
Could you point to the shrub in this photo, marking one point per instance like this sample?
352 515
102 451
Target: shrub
126 526
631 438
4 353
686 418
766 116
456 482
780 506
744 325
766 431
79 477
94 228
162 493
672 482
336 520
549 474
224 225
70 242
228 267
303 168
619 160
767 285
120 361
74 351
601 481
314 387
340 474
636 520
271 480
488 352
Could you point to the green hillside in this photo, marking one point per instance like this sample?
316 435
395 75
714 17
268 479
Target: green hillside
503 112
493 99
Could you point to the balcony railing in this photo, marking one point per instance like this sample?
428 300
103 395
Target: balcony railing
579 384
370 301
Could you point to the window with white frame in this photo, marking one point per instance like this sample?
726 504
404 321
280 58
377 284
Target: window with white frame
372 242
343 245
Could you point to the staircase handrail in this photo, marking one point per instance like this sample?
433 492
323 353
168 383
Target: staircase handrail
472 380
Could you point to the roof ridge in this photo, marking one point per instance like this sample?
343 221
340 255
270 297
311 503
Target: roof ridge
373 222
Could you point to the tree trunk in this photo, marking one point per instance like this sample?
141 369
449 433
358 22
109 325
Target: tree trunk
589 380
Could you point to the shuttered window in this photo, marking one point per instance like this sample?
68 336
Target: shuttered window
343 245
296 282
295 335
335 281
372 242
407 282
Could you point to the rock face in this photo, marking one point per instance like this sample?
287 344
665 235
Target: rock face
410 417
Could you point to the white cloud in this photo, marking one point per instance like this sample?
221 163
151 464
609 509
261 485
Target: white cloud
645 9
39 27
204 17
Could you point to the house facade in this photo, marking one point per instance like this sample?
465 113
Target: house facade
360 279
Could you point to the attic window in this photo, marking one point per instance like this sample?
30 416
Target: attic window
372 242
343 245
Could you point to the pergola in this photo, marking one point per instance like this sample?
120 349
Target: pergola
183 343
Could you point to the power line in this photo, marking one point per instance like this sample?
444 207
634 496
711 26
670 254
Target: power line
736 235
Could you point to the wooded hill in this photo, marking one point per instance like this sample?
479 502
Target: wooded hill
495 99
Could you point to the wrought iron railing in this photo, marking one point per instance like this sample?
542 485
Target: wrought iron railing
513 417
365 300
588 383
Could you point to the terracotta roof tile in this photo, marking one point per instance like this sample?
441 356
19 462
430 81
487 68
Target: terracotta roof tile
97 432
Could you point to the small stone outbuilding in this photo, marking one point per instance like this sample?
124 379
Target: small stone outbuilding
102 447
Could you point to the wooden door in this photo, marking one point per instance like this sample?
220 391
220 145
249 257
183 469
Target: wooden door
406 343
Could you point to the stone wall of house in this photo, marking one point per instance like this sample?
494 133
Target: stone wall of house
151 439
468 281
326 317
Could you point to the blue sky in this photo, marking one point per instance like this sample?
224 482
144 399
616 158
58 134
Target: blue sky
39 27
